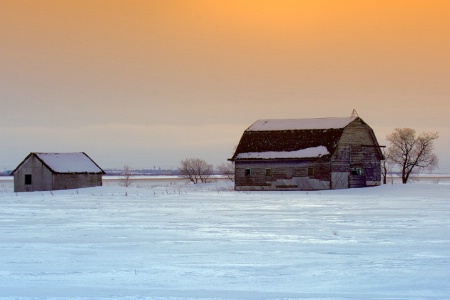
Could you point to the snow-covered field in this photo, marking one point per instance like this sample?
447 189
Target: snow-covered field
172 240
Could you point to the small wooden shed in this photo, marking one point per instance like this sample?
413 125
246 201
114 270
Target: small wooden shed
56 171
307 154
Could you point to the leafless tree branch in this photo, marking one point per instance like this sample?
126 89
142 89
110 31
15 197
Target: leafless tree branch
227 169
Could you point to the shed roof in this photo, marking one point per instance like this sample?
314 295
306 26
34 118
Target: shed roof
72 162
290 138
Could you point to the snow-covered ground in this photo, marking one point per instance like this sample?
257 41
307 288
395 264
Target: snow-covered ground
172 240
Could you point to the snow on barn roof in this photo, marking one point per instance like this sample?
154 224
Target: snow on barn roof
74 162
300 124
303 153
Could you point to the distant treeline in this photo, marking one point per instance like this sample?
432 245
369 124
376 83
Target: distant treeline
154 172
143 172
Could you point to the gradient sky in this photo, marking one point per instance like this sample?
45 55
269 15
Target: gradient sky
149 83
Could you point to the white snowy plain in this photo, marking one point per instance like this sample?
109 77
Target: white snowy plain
180 241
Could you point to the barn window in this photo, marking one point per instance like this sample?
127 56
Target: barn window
268 172
248 172
357 171
310 171
27 179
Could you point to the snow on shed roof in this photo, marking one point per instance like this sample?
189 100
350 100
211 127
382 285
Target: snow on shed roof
300 124
75 162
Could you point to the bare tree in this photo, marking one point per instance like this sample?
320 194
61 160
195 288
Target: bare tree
227 169
410 152
126 176
196 169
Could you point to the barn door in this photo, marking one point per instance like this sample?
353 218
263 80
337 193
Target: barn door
339 180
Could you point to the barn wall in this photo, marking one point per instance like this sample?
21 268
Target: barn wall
358 149
284 175
74 181
41 177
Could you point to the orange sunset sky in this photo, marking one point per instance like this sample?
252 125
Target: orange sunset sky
149 83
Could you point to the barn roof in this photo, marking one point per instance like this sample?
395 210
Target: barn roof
72 162
291 138
300 124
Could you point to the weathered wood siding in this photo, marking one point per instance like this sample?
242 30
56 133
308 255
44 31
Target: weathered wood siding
284 175
74 181
41 177
357 181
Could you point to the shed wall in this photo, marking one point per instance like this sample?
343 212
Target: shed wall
74 181
41 177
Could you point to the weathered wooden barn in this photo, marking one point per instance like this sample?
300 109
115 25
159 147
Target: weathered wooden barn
56 171
307 154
